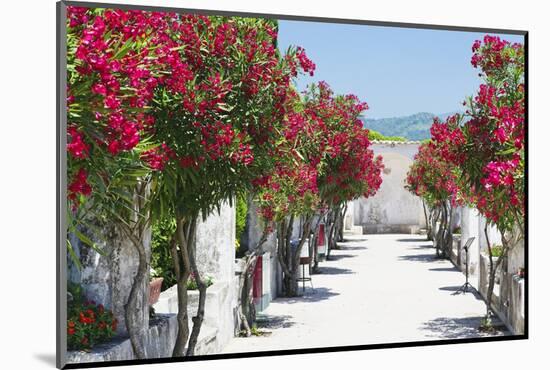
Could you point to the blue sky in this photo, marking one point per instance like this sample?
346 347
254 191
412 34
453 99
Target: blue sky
397 71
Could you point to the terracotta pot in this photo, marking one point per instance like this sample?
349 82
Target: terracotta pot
154 290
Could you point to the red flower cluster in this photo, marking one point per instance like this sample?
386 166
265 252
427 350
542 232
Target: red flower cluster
79 185
89 324
76 146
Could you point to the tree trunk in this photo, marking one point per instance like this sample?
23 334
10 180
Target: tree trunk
247 311
135 234
340 234
331 232
436 213
449 233
201 285
289 258
493 268
131 310
315 241
428 226
441 232
182 268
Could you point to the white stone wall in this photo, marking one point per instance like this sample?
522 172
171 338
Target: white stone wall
508 300
108 278
215 240
393 206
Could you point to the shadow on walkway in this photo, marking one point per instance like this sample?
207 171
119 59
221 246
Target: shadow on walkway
424 246
357 240
420 258
445 269
453 289
453 328
316 295
337 257
327 270
351 248
411 240
274 321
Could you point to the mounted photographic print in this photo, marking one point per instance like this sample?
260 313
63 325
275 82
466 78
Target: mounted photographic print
236 185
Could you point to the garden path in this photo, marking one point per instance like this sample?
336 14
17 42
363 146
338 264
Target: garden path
375 289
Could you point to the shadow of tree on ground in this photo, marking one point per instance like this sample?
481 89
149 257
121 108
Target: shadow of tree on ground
337 257
458 328
274 321
420 258
328 270
310 295
412 240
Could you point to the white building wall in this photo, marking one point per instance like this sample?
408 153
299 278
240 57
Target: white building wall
393 208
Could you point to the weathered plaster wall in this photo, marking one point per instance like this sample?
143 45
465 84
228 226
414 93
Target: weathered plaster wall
508 299
107 279
393 207
215 240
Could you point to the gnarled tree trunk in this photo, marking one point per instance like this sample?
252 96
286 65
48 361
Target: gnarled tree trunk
247 311
507 244
428 221
135 232
201 285
185 231
289 258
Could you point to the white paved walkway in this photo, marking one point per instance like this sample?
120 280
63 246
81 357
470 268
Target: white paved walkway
375 289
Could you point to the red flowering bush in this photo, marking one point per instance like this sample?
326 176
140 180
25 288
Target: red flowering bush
350 169
488 142
112 71
321 159
432 175
89 324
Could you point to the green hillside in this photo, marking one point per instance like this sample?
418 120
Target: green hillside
413 127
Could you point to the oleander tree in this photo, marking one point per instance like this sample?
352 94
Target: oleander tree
350 169
322 140
492 136
169 117
434 178
112 72
216 117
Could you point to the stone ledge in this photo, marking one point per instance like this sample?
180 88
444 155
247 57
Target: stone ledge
159 343
390 229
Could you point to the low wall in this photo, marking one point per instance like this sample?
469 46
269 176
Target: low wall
219 312
216 331
390 229
159 342
508 297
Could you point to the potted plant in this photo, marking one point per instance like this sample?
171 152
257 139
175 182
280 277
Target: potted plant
155 286
521 272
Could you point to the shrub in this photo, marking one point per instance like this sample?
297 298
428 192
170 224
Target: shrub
161 260
88 323
375 135
240 224
496 250
192 283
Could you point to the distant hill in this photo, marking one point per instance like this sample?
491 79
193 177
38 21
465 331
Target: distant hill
413 127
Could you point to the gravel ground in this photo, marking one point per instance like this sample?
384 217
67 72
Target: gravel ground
375 289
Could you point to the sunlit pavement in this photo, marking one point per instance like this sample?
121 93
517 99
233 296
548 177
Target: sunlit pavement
375 289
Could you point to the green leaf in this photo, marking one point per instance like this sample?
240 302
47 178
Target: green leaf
73 256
